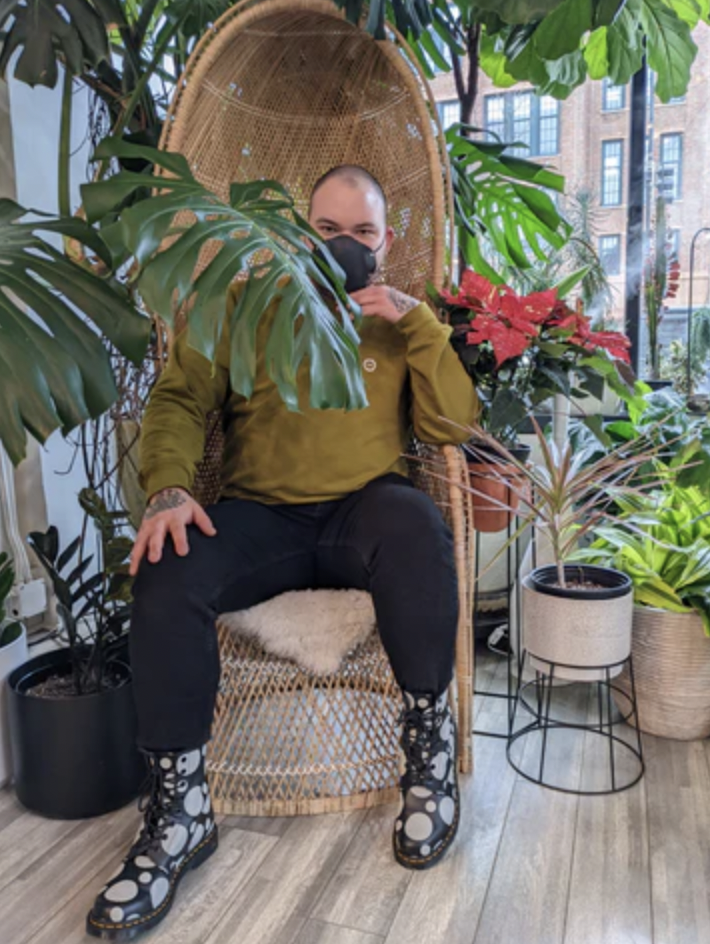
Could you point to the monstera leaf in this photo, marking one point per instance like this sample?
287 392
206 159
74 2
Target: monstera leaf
54 368
41 28
502 198
259 219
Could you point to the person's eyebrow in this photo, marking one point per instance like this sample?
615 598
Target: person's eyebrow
323 219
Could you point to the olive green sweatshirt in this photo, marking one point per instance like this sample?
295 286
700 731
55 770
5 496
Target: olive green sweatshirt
412 376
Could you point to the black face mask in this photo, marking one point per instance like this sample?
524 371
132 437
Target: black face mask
356 259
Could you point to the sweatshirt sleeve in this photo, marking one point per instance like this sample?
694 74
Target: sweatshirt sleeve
172 440
440 385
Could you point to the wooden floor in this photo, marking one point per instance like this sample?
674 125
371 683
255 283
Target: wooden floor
529 865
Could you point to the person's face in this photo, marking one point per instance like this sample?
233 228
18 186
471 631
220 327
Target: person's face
341 209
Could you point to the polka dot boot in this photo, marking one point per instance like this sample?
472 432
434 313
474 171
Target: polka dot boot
178 833
429 816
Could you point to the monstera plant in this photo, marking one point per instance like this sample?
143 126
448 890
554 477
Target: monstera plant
59 309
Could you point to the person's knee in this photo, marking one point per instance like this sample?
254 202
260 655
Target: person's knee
403 514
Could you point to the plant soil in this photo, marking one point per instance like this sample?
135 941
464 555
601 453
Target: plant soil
62 686
578 585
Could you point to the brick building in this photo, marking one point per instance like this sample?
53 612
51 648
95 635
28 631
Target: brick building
586 138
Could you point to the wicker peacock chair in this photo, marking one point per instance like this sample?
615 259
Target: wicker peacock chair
286 90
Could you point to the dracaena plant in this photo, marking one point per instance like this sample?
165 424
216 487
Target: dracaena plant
563 496
521 349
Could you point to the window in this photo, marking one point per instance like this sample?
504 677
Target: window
449 112
674 243
671 165
613 96
612 165
610 254
524 117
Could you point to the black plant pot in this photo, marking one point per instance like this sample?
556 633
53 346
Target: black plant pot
659 384
73 757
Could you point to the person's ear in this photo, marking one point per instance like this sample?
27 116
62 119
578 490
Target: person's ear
389 238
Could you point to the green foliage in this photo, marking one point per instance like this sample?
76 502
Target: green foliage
659 419
259 218
101 603
662 541
54 367
501 199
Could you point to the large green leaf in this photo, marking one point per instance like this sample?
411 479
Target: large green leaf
42 27
259 218
671 49
54 368
560 31
501 198
410 16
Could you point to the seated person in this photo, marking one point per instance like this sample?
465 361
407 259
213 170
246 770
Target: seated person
318 498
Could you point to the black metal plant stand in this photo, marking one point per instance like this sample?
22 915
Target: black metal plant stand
544 724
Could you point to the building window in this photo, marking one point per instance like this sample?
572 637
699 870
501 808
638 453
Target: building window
610 254
674 244
612 166
671 165
525 118
613 96
449 112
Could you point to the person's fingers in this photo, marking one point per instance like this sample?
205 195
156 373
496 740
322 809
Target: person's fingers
203 521
179 536
155 542
137 552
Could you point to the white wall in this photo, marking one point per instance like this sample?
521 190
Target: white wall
35 120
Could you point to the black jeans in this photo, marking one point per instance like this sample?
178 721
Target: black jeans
388 538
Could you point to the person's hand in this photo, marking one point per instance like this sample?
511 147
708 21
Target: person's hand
383 301
169 512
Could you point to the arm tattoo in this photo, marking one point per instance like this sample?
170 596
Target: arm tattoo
403 303
165 499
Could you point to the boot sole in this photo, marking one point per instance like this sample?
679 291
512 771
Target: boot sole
131 929
427 862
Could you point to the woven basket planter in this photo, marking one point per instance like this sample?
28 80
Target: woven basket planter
671 657
577 627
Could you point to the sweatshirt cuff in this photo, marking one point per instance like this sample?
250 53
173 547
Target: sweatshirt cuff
158 479
420 318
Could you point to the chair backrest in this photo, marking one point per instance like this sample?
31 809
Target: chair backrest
285 90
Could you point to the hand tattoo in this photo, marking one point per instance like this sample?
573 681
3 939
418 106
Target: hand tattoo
164 500
403 303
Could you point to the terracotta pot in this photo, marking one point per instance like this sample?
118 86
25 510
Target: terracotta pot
492 493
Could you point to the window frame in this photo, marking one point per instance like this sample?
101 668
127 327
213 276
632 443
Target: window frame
602 198
617 252
607 86
678 177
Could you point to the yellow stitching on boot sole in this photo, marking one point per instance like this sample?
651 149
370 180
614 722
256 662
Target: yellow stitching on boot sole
439 850
178 872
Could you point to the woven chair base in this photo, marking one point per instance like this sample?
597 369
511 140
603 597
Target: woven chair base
287 741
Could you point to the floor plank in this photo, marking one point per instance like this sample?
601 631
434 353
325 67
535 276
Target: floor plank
529 865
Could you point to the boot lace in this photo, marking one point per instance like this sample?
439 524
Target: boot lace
424 728
157 803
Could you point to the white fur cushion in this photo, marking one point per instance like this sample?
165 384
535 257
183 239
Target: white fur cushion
315 628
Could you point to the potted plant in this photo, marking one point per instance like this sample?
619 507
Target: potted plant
520 350
72 717
661 541
13 651
574 613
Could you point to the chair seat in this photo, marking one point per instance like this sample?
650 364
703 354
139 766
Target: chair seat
314 628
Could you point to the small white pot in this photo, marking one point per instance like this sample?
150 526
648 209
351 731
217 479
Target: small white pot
11 656
576 626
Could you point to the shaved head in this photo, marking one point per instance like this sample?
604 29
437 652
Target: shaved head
355 177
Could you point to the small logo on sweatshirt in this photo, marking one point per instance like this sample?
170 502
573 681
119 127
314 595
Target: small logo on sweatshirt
369 364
